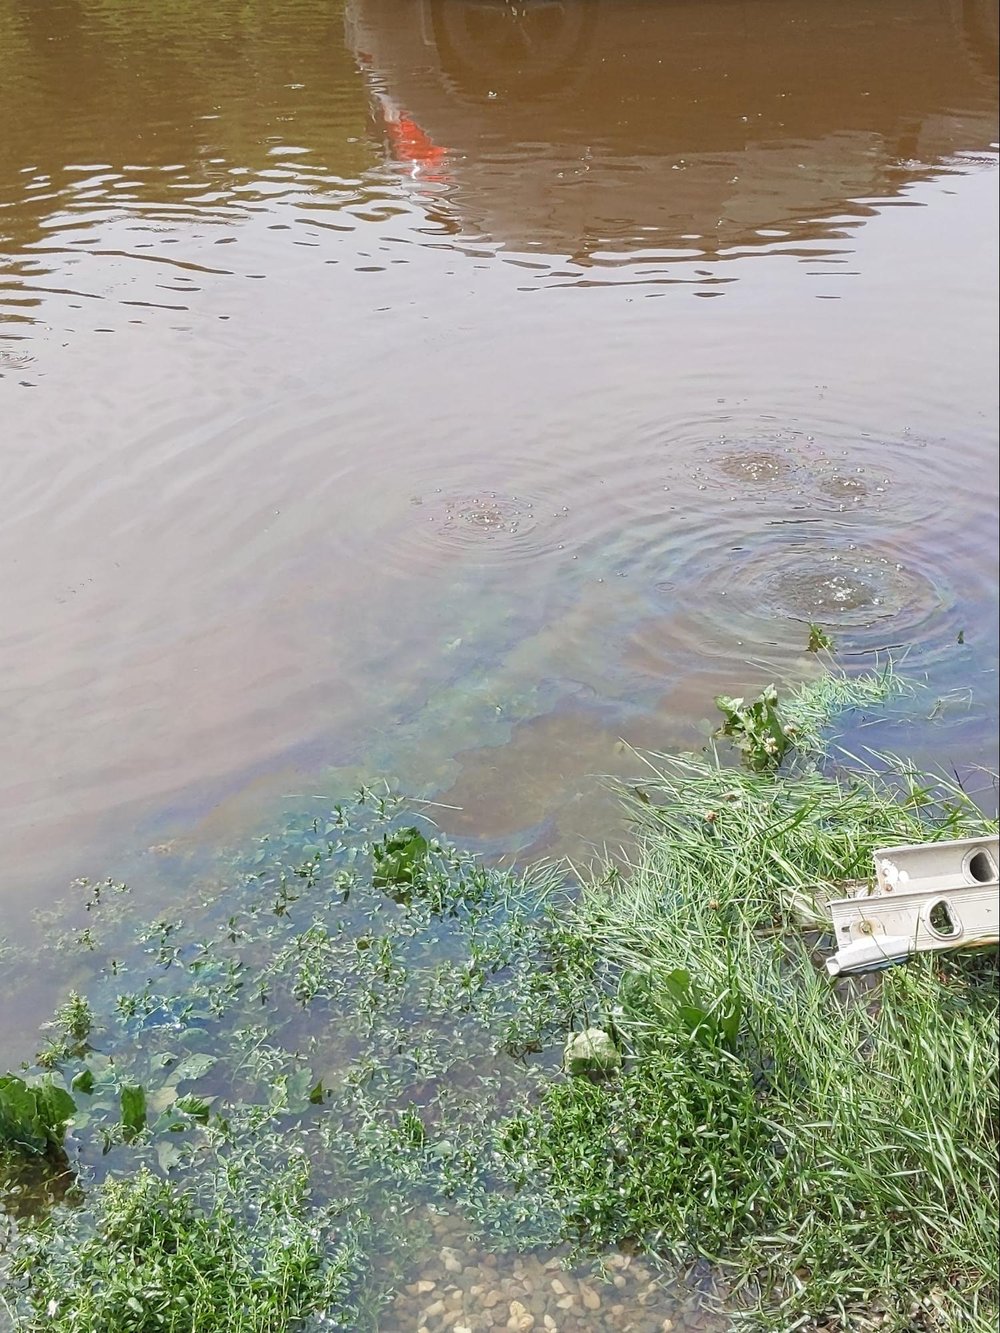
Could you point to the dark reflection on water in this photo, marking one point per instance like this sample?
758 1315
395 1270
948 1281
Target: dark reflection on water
555 125
361 406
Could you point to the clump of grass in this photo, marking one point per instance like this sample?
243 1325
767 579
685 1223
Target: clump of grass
833 1146
813 707
153 1259
70 1027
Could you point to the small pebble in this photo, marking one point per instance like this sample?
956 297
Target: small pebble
589 1296
451 1260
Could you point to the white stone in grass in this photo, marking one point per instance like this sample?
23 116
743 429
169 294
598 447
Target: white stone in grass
591 1052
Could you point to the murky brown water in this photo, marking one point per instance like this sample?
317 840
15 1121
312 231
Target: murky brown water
447 389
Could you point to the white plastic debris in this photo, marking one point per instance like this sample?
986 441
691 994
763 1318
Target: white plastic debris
926 896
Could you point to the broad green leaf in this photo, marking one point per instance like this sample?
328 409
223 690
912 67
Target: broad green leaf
192 1067
83 1082
399 858
196 1107
33 1116
133 1107
55 1108
19 1123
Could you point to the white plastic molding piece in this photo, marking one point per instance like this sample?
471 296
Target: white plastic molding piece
926 896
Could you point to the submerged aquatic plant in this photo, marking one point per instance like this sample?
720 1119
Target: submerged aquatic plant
352 991
155 1258
33 1115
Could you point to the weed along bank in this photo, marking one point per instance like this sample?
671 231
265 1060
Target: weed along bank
358 1078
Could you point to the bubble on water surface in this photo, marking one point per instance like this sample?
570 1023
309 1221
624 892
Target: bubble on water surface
827 592
489 517
847 587
482 526
759 466
464 519
844 486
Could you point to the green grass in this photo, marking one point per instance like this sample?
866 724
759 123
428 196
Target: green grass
153 1259
832 1147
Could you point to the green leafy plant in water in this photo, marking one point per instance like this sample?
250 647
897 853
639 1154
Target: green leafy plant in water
756 728
251 1258
133 1108
400 862
71 1026
33 1116
819 640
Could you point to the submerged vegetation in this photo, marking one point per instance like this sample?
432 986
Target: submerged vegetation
352 1037
152 1257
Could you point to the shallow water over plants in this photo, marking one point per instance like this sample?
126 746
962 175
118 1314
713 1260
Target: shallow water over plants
357 1000
361 1047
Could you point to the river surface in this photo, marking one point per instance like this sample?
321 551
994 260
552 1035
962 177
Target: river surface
452 391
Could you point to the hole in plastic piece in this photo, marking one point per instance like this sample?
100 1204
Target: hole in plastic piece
941 921
980 867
